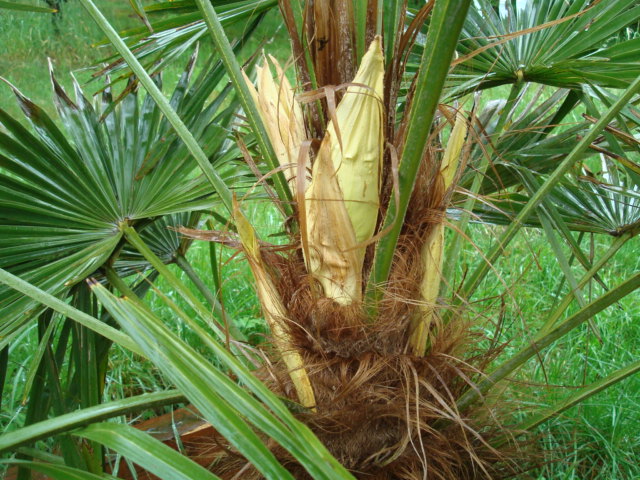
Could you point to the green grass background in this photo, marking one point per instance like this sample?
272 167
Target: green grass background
602 433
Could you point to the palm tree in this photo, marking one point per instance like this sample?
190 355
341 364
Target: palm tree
374 370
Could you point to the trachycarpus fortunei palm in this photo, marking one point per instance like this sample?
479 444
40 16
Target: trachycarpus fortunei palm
376 366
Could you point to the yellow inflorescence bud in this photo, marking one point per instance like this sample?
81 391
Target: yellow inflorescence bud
433 248
332 258
451 157
282 117
357 143
273 309
342 201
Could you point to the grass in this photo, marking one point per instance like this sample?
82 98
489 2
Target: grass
32 38
602 432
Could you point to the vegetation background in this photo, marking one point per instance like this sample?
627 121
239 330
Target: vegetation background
604 431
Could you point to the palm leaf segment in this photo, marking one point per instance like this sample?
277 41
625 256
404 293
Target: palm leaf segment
162 238
66 193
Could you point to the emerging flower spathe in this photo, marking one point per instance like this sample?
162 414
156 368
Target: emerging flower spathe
342 200
281 115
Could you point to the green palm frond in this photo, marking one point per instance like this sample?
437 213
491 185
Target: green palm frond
67 192
605 201
610 203
565 47
583 205
146 451
536 136
224 403
163 239
60 472
103 194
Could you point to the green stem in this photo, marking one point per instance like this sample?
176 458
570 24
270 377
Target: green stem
232 66
38 455
544 340
4 364
445 28
547 214
39 404
575 399
379 18
116 281
360 21
298 13
566 301
36 357
69 448
391 26
86 372
480 272
163 104
206 292
213 260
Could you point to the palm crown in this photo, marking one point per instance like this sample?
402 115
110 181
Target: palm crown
373 360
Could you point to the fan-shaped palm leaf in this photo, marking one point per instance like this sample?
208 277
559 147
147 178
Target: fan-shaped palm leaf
162 238
604 202
68 192
584 206
563 46
534 139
